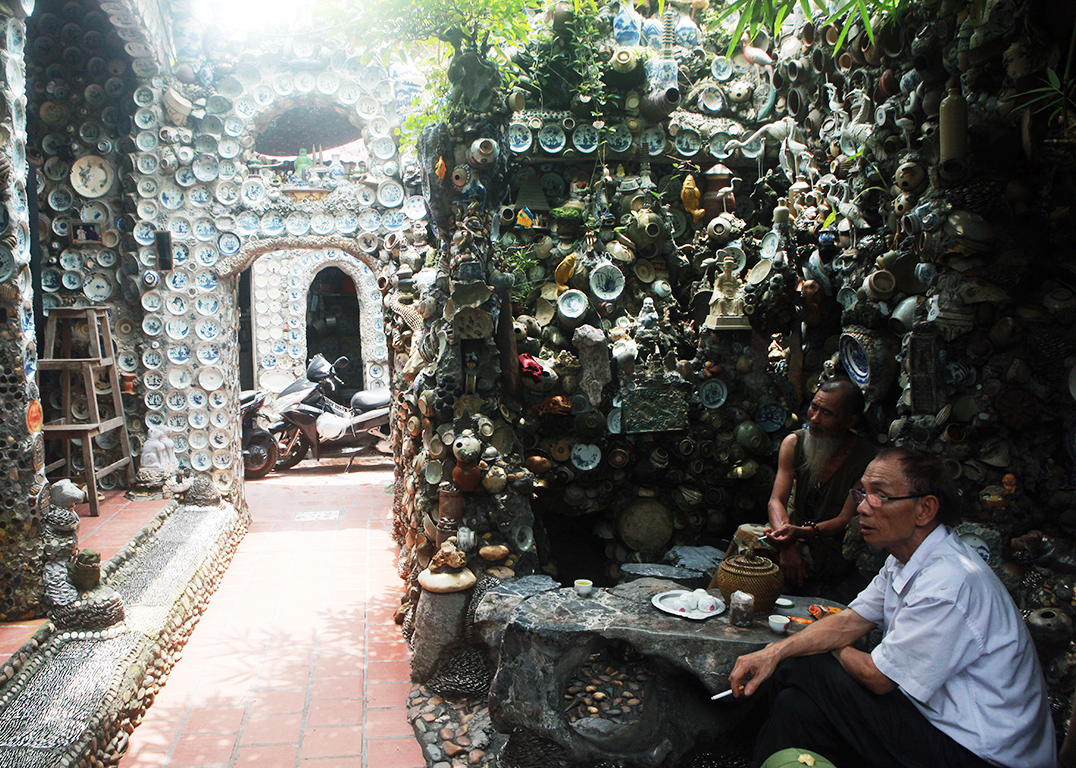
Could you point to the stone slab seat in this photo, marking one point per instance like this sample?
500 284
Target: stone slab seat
544 635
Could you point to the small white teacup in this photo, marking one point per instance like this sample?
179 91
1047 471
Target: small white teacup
779 624
584 587
704 601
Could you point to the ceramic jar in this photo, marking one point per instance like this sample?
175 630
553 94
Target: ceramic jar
953 135
757 576
484 152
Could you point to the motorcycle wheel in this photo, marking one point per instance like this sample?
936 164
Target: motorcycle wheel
299 446
260 454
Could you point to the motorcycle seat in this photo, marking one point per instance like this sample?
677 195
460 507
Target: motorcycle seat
368 399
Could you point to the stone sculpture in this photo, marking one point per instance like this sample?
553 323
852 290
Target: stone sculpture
72 593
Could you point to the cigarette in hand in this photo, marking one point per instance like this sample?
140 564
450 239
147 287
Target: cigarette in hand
723 694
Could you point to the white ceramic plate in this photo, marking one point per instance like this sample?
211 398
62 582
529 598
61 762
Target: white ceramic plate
666 602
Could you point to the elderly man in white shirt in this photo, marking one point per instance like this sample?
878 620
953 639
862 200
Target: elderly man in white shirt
954 681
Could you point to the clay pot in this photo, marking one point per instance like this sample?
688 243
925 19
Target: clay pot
953 136
495 479
1051 631
798 103
624 60
466 477
466 448
449 504
880 285
797 70
757 576
84 576
660 103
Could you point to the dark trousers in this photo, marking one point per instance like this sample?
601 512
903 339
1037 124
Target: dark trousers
816 705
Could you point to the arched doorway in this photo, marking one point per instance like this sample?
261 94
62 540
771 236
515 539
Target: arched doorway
283 273
332 323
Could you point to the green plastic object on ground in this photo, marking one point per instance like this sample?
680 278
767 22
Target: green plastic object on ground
796 758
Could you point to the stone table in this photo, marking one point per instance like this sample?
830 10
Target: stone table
545 635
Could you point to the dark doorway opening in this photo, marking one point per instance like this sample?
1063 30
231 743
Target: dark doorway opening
332 324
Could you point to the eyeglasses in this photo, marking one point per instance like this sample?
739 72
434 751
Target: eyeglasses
875 500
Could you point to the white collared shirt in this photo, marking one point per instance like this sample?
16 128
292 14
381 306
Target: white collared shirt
958 648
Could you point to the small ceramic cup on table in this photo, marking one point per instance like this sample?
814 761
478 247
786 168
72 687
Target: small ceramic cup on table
584 587
778 624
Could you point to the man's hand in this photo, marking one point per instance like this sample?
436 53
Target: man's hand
787 534
751 670
793 565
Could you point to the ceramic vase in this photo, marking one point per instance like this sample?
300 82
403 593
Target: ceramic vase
953 135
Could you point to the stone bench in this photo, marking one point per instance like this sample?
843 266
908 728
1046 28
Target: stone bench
546 635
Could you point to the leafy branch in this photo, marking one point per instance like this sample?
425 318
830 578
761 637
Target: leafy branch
755 15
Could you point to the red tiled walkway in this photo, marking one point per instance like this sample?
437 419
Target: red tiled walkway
296 662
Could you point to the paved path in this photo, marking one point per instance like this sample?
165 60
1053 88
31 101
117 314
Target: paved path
296 663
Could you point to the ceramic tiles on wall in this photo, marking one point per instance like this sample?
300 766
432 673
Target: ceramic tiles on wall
280 286
201 185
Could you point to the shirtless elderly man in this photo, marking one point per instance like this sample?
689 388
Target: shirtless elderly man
954 681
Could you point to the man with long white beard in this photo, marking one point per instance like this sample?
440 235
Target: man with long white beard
810 507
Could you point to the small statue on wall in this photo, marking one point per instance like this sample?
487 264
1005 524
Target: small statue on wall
158 466
726 301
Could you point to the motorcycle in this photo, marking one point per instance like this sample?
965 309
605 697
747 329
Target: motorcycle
260 450
312 422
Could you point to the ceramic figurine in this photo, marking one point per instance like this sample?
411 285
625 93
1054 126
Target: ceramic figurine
726 301
758 58
157 463
303 163
690 196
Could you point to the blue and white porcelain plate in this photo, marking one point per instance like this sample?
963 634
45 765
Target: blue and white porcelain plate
551 138
771 417
208 354
721 68
585 138
586 456
347 222
855 360
179 353
394 221
272 224
177 281
152 359
653 140
520 138
619 139
688 142
247 223
207 305
713 393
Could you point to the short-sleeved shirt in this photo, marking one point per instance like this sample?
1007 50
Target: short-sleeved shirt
957 647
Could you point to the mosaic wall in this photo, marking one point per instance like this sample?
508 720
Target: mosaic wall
24 495
191 172
83 63
281 281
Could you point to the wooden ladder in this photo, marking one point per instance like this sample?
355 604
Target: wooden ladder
60 326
